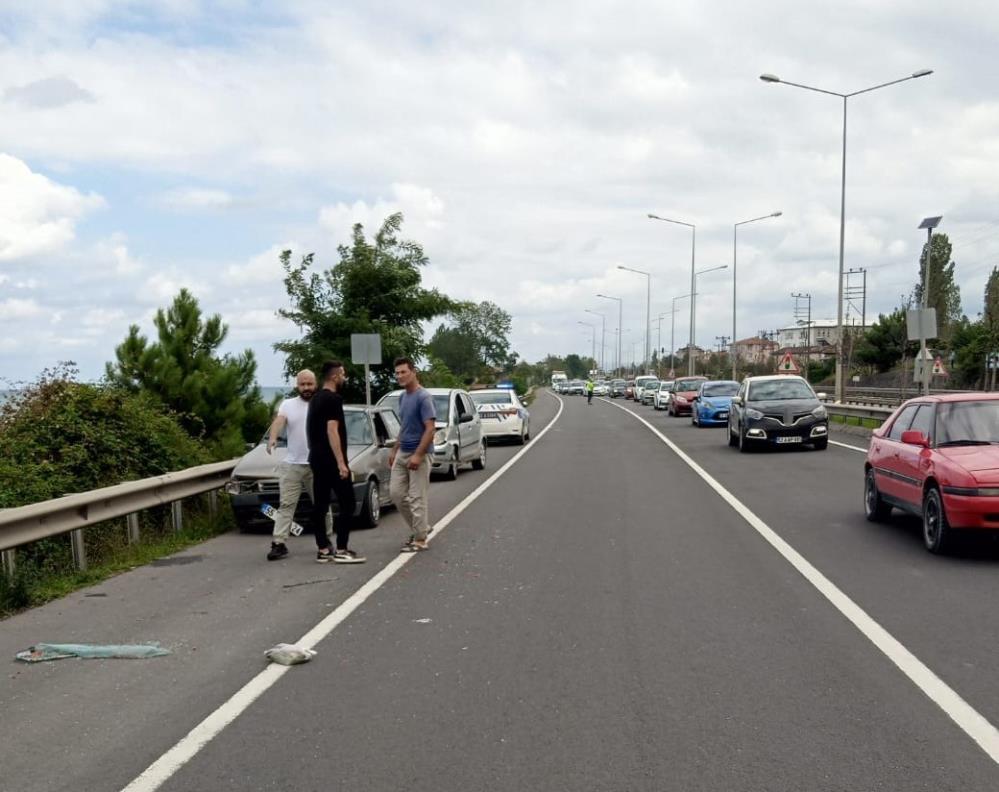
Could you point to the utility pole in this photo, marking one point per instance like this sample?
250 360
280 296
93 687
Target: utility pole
804 315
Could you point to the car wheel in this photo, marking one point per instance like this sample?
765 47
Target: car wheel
821 445
480 462
372 512
733 441
937 533
693 417
743 443
452 469
875 509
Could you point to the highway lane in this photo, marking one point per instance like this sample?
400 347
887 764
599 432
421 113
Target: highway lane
942 608
95 725
597 620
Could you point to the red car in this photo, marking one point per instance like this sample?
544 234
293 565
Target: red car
629 389
937 457
684 391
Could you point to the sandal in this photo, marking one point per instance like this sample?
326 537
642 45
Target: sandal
413 547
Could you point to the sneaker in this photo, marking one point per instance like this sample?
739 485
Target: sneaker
348 557
324 557
278 550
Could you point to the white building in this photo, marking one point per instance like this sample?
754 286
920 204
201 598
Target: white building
824 333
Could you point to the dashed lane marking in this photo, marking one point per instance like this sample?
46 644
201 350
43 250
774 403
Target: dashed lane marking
160 771
969 720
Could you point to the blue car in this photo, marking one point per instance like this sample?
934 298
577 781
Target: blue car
713 400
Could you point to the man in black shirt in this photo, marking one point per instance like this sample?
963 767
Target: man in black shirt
326 428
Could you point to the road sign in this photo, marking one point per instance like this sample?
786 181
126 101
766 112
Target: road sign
921 323
787 365
366 348
938 368
672 374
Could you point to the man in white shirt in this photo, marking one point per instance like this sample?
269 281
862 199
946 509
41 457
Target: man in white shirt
294 473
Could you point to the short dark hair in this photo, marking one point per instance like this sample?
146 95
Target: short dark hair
404 361
329 367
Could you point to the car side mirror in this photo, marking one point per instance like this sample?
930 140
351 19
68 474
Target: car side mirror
914 437
822 396
389 443
466 418
737 400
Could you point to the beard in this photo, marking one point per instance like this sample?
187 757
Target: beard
306 394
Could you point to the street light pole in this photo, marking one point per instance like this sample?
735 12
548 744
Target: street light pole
672 333
603 338
929 224
593 340
648 305
693 288
772 78
620 320
735 232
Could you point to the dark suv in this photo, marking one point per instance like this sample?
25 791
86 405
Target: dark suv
777 410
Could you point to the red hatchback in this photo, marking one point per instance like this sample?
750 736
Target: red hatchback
684 390
937 457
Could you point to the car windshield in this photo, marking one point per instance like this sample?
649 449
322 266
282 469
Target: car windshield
721 389
688 385
968 423
492 398
650 385
664 386
619 383
776 390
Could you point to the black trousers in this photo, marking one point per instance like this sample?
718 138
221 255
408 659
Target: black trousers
326 481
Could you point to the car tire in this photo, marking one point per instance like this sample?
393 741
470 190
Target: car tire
693 418
743 444
821 445
479 463
733 441
938 536
875 508
452 469
371 514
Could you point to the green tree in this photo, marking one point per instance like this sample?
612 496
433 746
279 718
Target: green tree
456 350
214 396
375 287
971 343
944 293
488 326
436 374
576 367
883 345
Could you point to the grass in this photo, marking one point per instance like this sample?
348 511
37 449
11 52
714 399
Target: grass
31 586
856 420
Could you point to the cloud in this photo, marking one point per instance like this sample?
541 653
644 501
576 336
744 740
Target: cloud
49 93
193 198
422 208
15 309
37 215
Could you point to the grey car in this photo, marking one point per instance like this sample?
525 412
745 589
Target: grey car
371 433
459 439
777 410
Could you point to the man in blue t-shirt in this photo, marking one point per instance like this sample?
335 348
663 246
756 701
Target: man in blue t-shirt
410 465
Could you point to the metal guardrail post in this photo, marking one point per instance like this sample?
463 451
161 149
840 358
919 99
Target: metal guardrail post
213 504
132 521
79 549
8 562
177 515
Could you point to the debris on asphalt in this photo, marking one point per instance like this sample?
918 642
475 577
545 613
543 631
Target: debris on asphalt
289 654
423 621
48 651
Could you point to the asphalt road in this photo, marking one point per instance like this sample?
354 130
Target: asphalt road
597 619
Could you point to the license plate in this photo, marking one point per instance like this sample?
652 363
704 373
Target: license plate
722 415
789 439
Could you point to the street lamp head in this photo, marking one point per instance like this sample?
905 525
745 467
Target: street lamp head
776 214
621 266
771 78
922 73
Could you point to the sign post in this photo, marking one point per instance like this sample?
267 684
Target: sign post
366 348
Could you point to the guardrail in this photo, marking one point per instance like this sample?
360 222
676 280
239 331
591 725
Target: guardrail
889 397
73 513
859 411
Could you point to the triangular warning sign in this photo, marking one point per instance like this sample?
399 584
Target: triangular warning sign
787 365
672 374
938 369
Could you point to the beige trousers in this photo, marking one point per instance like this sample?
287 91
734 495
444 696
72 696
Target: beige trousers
293 481
409 489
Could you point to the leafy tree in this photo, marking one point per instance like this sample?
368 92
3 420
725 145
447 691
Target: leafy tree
374 288
576 367
215 397
436 374
488 326
944 293
883 345
971 343
456 350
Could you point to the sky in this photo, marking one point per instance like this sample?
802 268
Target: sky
148 146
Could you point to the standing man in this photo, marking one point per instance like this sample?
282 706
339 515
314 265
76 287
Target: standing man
410 466
294 473
327 433
589 390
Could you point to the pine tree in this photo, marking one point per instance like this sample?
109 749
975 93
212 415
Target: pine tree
944 293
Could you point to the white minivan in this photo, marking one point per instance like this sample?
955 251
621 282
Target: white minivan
640 382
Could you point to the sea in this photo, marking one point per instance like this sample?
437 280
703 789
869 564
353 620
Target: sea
269 393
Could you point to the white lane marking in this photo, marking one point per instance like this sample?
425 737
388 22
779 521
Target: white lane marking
971 722
180 754
851 447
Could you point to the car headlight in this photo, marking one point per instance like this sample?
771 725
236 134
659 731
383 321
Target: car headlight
707 405
819 412
440 437
755 415
236 487
681 399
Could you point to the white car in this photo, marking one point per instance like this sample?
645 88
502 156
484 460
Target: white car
640 383
662 395
601 389
503 415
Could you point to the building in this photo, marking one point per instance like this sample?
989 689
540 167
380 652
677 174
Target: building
755 350
823 335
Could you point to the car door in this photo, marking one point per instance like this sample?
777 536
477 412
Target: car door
383 421
913 461
736 410
471 431
886 457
